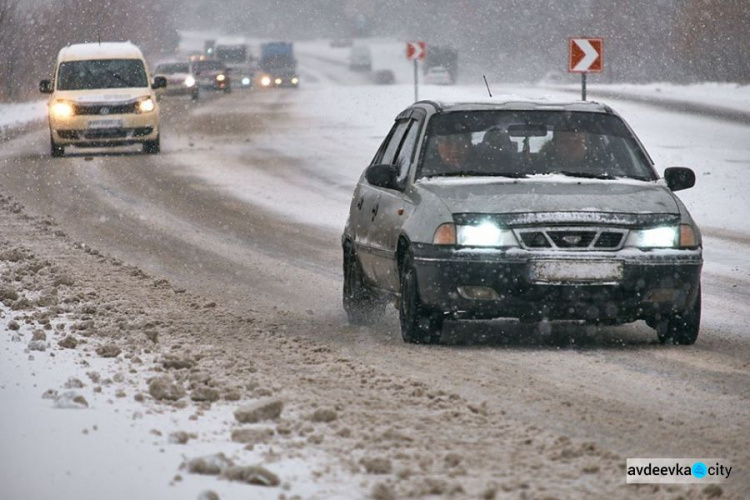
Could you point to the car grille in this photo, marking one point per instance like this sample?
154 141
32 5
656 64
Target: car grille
572 238
106 109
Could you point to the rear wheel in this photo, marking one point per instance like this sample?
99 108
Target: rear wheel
419 325
152 147
682 328
55 149
361 305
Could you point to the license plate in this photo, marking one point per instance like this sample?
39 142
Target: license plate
99 124
572 272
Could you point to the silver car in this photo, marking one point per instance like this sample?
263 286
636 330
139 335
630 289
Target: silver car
528 210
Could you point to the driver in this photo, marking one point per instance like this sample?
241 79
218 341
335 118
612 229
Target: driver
454 152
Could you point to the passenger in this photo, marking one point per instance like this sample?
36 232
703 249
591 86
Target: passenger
497 152
566 151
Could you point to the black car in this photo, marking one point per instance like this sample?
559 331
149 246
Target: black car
529 210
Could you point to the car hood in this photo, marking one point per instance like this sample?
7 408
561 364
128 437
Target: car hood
102 95
551 194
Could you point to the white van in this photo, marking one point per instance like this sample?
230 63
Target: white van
102 96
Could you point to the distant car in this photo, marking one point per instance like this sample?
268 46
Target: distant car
384 77
101 96
360 58
438 75
180 79
529 210
212 75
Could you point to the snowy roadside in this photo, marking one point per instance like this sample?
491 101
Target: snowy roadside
20 116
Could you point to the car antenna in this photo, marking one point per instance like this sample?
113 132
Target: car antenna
488 85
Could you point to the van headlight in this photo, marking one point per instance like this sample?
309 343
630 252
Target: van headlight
189 81
265 81
146 105
485 234
62 109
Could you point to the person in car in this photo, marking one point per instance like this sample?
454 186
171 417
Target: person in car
450 154
568 150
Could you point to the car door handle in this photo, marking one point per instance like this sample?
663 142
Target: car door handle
360 202
375 210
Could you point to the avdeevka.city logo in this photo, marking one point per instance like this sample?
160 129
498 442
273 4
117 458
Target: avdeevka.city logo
677 470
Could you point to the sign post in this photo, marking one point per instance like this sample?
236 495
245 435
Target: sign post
416 51
586 56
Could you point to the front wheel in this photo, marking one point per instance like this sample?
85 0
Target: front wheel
682 328
361 306
56 150
152 147
419 325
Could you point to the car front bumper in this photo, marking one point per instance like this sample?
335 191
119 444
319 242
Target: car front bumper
109 130
645 285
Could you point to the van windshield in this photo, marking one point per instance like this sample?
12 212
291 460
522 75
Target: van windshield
101 74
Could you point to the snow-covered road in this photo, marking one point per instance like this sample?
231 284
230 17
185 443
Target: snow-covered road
244 208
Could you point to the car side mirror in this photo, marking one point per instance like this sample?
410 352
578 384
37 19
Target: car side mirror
160 82
382 176
679 178
45 87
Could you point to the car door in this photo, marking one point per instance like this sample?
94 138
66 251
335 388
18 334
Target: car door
393 209
366 205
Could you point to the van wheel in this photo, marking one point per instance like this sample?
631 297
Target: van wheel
152 147
683 328
361 306
418 324
56 150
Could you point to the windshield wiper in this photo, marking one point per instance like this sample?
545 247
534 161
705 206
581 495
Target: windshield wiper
584 175
476 173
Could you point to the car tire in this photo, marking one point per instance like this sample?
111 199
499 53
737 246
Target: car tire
195 95
361 306
419 325
681 328
152 147
56 151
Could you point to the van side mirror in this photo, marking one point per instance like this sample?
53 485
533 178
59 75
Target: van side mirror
45 87
160 82
382 176
679 178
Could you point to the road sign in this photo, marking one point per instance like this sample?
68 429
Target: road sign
586 55
416 50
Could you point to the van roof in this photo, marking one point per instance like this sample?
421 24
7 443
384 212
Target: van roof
104 50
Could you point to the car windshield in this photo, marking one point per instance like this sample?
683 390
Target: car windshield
101 74
523 143
208 66
172 68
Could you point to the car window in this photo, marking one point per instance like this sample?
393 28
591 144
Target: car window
523 143
101 74
394 141
406 153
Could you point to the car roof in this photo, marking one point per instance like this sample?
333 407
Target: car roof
516 104
104 50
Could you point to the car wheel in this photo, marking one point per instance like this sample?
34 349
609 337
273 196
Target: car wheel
152 147
418 324
56 150
196 95
361 306
682 328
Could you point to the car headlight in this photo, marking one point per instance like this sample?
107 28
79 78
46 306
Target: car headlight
295 80
486 234
657 237
265 81
220 78
62 109
278 81
189 81
146 105
245 81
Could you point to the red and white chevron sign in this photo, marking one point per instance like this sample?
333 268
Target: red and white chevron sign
416 50
586 55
